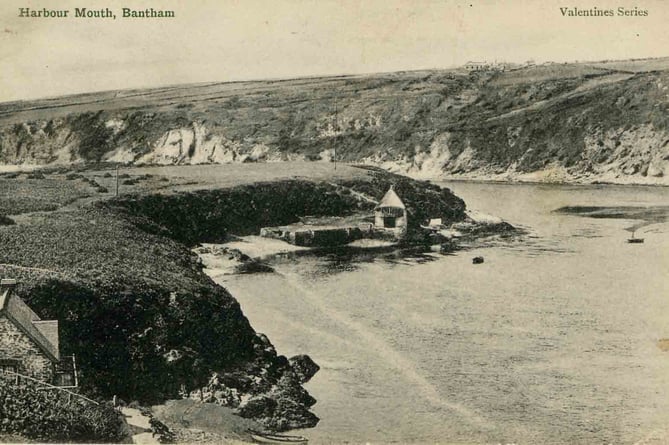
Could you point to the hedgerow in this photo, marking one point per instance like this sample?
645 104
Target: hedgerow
47 416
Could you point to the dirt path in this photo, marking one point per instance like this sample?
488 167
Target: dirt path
35 269
141 426
359 195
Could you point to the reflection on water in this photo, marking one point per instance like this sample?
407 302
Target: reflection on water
335 260
552 340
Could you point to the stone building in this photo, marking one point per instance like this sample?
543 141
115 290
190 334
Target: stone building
477 66
28 344
391 214
485 66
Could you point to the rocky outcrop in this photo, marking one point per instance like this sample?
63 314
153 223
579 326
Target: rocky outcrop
304 367
267 390
211 215
126 140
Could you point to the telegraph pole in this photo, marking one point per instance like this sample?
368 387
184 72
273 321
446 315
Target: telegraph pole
334 141
116 179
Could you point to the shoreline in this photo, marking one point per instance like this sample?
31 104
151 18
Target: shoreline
547 183
147 205
625 181
327 380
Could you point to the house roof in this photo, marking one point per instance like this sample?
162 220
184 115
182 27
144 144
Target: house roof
390 199
43 332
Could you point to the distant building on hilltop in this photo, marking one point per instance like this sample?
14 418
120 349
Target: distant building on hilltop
477 66
391 214
485 66
28 344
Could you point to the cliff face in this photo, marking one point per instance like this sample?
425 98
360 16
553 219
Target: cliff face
550 122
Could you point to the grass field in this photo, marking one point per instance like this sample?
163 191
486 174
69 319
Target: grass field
21 195
541 73
635 66
196 177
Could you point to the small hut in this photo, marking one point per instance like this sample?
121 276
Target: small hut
391 214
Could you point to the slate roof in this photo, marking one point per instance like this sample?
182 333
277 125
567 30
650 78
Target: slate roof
390 199
43 332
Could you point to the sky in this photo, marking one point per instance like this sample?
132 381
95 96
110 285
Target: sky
225 40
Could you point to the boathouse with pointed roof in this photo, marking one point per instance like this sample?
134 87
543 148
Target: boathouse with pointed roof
390 214
28 344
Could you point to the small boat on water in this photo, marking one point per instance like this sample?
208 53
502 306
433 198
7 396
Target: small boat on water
260 437
634 240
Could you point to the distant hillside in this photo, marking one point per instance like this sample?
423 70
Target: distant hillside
553 122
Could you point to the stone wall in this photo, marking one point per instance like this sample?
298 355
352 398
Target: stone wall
317 237
16 345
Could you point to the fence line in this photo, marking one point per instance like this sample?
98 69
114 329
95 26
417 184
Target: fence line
50 386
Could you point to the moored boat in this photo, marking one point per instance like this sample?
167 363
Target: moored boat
634 240
260 437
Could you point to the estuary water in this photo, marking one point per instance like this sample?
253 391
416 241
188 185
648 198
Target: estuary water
553 339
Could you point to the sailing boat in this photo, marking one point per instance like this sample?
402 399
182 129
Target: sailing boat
634 240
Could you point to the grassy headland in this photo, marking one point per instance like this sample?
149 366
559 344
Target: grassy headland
131 297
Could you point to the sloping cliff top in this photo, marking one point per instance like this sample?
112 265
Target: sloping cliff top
600 121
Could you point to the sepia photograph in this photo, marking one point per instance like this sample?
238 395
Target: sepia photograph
334 222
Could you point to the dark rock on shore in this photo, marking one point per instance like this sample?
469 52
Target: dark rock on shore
268 390
304 367
448 246
483 229
244 263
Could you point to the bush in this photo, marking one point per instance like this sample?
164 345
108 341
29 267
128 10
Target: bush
6 221
36 175
48 416
91 182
